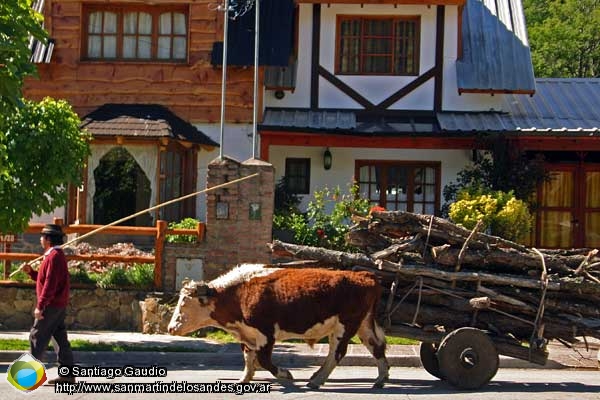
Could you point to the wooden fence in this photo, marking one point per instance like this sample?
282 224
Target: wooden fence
160 231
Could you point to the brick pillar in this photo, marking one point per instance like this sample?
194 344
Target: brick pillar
239 217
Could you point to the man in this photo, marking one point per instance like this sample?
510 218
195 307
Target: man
52 291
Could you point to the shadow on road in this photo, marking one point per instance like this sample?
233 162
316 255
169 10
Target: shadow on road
417 386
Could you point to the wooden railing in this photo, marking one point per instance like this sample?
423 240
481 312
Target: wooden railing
160 231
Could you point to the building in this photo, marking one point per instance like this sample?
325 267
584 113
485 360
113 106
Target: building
398 95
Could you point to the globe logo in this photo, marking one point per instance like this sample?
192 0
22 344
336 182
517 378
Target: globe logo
26 373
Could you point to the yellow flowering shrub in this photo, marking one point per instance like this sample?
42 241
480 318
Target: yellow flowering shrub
502 214
513 221
468 209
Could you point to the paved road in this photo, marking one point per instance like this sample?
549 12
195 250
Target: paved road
347 383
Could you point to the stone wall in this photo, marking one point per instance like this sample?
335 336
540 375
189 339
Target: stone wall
93 309
239 218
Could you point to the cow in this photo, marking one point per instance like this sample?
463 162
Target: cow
260 305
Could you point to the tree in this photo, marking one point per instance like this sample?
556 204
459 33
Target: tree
564 37
18 23
45 152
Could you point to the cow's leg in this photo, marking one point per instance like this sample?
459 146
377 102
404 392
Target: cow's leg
249 364
338 345
264 359
372 336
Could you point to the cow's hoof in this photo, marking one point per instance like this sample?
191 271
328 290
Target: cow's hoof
284 374
380 382
313 376
313 385
243 381
378 385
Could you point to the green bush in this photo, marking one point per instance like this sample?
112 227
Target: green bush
318 226
113 277
138 275
141 275
502 214
186 223
80 275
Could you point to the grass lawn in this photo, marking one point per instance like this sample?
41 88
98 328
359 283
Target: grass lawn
85 345
216 335
224 337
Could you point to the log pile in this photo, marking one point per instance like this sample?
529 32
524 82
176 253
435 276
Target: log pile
440 277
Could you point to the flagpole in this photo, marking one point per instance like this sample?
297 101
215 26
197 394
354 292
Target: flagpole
224 78
256 64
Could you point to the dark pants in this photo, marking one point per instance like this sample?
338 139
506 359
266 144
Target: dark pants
51 326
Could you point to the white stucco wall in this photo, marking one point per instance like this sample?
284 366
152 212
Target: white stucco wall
342 171
377 88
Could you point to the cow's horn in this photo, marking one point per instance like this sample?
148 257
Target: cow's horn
203 290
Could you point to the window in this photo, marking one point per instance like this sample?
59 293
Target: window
403 186
135 33
378 46
297 175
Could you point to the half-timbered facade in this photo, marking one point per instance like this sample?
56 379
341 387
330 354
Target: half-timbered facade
400 93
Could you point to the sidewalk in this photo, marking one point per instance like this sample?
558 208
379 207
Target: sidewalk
289 354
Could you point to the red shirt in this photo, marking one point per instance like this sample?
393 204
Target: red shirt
52 280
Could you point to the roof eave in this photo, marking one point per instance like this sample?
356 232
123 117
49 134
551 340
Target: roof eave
530 92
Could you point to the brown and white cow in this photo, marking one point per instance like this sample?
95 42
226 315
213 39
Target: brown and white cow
260 305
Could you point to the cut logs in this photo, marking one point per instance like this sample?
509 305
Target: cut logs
440 276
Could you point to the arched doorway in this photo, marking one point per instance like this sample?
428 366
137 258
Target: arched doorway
122 189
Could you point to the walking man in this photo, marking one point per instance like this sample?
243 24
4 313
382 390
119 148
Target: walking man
52 291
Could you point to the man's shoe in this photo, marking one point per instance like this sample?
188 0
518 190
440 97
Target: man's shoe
61 379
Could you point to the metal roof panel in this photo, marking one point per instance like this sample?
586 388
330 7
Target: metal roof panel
496 55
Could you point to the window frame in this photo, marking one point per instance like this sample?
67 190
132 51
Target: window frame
176 176
394 19
306 167
410 201
121 9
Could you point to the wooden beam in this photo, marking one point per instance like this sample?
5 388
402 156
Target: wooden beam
407 89
315 55
439 58
557 142
338 83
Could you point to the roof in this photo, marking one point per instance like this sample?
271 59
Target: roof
40 52
346 122
495 48
143 121
566 106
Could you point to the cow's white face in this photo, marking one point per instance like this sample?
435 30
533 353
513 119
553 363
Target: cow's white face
193 309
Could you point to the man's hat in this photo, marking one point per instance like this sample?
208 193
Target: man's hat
52 230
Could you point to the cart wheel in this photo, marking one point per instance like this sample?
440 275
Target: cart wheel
429 359
468 358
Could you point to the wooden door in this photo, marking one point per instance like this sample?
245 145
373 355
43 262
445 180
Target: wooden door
569 208
591 207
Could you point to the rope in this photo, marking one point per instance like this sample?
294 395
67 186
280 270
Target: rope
187 196
414 321
428 234
388 306
401 301
540 311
